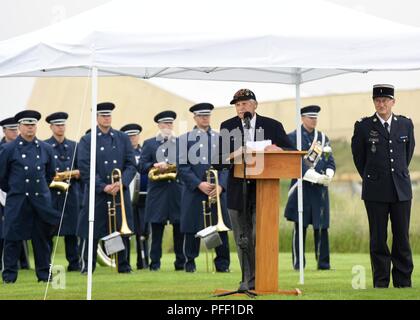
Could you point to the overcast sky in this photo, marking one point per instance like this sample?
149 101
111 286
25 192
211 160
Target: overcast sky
22 16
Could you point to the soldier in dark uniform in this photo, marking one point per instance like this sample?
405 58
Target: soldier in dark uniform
233 133
138 189
10 131
382 147
113 151
27 166
317 170
65 156
163 195
192 169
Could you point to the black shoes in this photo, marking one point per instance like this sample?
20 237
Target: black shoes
128 270
73 268
8 281
190 269
227 270
154 269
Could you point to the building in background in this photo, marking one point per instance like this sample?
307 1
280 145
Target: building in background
139 100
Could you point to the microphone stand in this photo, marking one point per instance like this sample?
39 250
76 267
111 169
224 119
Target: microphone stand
244 221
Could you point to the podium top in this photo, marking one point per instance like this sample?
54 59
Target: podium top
270 164
238 152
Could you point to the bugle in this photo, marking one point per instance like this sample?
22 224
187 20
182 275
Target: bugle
60 178
156 174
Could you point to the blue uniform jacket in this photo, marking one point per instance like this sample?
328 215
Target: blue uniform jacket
113 150
64 154
381 160
26 170
198 150
2 141
163 197
316 207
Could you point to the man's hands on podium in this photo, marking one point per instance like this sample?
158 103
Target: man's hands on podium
272 147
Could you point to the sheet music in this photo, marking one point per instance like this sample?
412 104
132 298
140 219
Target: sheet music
258 145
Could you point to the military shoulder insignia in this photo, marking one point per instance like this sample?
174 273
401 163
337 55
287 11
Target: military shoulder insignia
361 119
401 116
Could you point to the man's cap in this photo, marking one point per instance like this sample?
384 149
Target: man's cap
132 129
105 108
57 118
383 90
9 123
310 111
165 116
27 117
243 95
202 109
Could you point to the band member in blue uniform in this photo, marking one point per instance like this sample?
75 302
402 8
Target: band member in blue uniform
382 146
27 166
10 131
65 157
163 190
138 189
113 151
318 169
244 219
199 149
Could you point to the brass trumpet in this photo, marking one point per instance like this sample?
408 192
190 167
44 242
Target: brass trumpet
60 177
155 174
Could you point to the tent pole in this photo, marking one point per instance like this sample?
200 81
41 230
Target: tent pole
92 180
299 187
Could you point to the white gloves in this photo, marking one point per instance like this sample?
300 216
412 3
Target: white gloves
2 198
330 173
312 176
323 179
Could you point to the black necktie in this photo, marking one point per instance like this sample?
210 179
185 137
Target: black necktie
386 125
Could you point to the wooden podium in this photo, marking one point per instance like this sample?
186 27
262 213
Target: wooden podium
268 167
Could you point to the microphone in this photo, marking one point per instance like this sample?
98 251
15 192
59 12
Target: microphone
247 120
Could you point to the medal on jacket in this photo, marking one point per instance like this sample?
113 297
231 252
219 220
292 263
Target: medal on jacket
314 153
373 148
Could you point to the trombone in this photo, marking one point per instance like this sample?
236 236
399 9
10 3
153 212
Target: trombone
210 233
112 213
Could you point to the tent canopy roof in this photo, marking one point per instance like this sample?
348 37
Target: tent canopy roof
285 41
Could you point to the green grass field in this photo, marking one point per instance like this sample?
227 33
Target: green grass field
168 284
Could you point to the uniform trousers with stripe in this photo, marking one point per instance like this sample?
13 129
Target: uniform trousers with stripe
192 250
321 244
156 246
400 256
72 251
41 248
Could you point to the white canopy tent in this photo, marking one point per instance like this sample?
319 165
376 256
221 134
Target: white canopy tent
285 42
